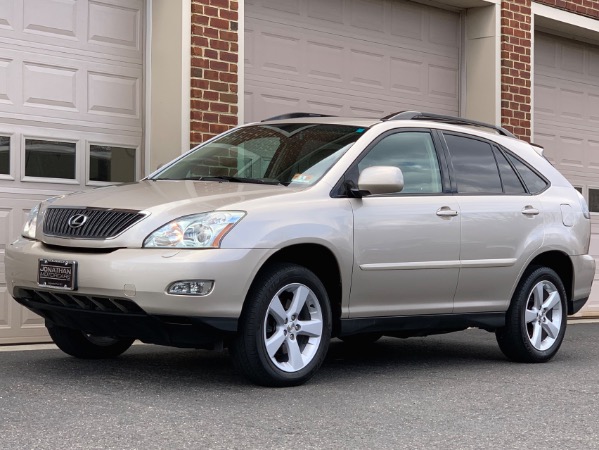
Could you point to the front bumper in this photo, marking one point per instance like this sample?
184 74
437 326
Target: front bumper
105 316
142 276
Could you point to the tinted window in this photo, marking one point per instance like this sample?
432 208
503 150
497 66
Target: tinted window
114 164
49 159
4 155
533 182
509 178
593 200
474 165
414 153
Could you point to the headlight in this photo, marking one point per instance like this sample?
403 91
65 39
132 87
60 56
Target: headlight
31 223
204 230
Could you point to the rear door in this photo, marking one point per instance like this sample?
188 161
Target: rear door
501 222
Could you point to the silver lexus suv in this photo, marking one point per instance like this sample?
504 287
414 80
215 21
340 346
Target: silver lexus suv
274 237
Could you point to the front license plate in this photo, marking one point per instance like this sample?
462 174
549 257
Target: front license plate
57 274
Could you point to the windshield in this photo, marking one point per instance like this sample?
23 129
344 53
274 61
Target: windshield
278 154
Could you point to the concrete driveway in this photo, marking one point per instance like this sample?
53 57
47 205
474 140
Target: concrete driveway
453 392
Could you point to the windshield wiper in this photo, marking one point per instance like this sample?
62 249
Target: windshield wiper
229 179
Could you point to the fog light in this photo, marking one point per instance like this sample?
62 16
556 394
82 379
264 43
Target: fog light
191 287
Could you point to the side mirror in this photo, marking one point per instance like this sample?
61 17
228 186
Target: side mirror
379 180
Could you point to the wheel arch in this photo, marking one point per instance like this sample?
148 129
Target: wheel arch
561 264
322 262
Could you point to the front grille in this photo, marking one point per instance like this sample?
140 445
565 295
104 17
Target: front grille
100 223
80 302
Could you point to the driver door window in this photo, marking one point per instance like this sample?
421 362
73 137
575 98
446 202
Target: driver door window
414 153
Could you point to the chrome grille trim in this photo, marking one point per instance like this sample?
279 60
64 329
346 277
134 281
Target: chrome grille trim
101 223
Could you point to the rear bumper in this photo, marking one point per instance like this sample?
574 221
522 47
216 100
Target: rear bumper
584 273
124 319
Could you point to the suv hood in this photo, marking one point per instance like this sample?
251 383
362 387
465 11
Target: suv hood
162 201
165 195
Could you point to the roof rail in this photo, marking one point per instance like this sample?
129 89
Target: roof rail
295 115
417 115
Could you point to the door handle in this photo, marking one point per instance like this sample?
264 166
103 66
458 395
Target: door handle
530 211
446 211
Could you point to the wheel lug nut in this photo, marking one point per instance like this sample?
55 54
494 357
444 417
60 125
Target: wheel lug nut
285 332
297 327
292 337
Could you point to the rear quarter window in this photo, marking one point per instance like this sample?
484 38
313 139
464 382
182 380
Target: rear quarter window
533 181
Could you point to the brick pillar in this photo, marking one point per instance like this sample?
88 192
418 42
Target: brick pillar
516 67
214 67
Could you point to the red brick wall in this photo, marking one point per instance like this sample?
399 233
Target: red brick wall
214 67
589 8
516 64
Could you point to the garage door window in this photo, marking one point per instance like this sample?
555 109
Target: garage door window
4 155
594 200
50 159
112 164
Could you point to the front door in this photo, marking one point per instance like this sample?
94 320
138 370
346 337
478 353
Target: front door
406 245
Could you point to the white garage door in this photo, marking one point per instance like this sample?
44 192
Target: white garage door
70 112
566 114
350 57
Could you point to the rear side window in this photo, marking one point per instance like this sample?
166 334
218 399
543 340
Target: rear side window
534 182
509 178
474 166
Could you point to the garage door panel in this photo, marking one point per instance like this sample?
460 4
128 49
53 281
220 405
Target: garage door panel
50 17
64 88
263 99
106 27
116 26
566 113
329 11
360 64
570 152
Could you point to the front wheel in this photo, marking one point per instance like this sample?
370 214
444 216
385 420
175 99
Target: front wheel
536 320
87 346
285 328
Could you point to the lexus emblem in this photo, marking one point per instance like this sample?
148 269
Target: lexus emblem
77 220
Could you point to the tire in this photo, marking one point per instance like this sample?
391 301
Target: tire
536 319
361 339
85 346
284 329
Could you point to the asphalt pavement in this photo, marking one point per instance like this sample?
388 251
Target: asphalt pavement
453 391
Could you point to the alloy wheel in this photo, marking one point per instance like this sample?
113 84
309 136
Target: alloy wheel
293 327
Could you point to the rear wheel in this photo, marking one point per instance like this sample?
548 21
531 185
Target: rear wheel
285 329
536 320
87 346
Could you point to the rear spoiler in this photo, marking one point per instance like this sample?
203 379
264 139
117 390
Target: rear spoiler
538 148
